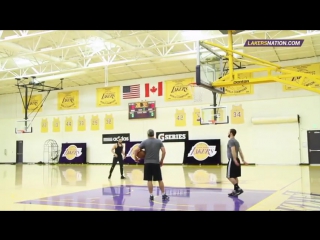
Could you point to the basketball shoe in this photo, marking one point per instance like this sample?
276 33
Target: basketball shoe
235 193
165 197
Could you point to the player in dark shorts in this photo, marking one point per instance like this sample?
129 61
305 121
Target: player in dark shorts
152 163
118 156
234 166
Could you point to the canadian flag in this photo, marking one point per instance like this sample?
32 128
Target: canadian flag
153 90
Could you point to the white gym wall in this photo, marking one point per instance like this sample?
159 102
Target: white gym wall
262 144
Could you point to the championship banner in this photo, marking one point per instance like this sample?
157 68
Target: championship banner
129 148
68 100
204 152
240 89
176 90
108 96
73 175
35 104
313 69
73 153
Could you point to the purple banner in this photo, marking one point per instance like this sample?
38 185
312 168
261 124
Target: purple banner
73 153
204 152
129 147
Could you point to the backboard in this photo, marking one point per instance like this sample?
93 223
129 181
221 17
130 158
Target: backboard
214 115
209 68
23 126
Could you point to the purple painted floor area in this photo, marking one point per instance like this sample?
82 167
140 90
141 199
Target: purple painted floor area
136 198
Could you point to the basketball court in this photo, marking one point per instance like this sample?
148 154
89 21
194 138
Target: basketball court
86 187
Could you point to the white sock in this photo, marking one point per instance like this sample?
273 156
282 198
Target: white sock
151 194
164 193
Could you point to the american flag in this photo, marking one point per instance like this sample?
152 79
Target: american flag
132 91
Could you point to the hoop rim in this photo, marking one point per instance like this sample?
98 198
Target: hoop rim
193 84
20 131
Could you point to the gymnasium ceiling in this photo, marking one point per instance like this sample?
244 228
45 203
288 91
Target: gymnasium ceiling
80 57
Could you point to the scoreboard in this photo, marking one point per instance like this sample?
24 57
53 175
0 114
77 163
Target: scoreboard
142 110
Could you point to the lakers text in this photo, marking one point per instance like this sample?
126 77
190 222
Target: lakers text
274 43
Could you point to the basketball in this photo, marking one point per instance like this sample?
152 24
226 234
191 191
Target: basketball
141 154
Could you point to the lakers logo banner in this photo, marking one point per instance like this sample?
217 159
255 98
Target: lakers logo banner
240 89
313 69
177 90
68 100
204 152
108 96
34 104
74 153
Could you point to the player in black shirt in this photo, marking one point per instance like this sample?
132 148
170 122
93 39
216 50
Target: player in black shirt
118 156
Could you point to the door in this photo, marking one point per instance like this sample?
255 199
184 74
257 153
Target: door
19 151
314 146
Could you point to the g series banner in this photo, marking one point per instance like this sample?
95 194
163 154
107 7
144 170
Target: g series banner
74 153
129 148
179 136
113 138
205 152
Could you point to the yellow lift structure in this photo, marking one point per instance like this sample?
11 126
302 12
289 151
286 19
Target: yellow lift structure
272 72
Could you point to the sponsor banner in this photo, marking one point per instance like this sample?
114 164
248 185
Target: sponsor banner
129 148
73 175
178 136
204 152
74 153
113 138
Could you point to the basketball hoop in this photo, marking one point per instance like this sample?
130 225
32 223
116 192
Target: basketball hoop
193 84
212 121
196 90
20 131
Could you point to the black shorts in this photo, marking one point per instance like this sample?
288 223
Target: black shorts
233 171
152 172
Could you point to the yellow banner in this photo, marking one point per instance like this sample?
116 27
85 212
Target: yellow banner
313 69
68 100
108 96
240 89
177 90
34 102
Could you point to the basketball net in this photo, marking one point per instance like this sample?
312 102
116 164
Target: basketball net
196 92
